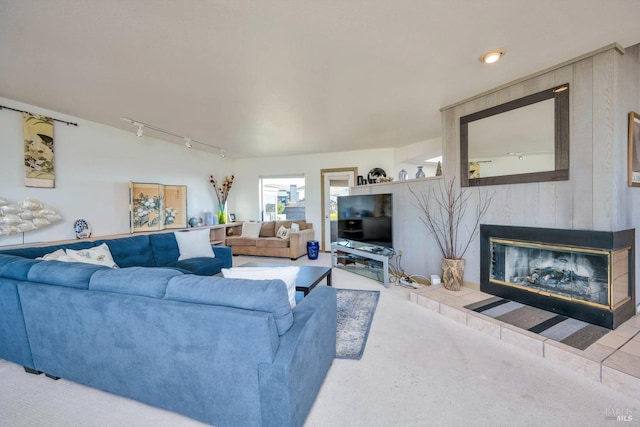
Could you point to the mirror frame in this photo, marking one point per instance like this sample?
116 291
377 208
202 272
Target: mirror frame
560 94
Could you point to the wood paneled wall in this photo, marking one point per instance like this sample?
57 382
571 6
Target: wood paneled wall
605 86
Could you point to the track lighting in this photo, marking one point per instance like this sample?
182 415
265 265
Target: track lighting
188 142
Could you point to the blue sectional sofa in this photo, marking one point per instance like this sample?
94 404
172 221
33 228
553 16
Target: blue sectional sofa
229 352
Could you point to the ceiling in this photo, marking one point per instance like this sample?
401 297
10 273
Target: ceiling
280 77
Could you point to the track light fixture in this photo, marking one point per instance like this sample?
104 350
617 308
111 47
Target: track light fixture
188 142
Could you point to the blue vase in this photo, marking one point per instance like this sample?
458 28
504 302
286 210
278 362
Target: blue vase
313 248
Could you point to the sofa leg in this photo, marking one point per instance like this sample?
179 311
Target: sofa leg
31 371
53 377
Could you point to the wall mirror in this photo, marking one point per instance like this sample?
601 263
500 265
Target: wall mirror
524 140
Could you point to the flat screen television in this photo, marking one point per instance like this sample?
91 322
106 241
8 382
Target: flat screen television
366 218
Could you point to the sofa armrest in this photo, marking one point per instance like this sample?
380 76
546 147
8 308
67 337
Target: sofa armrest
224 253
289 385
298 242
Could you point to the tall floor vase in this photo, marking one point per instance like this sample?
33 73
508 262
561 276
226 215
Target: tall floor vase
452 273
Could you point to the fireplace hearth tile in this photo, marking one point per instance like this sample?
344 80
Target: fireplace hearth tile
626 331
632 348
570 357
624 362
612 340
485 324
533 343
428 303
458 314
598 352
620 381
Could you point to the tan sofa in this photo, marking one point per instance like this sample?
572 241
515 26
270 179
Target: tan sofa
267 244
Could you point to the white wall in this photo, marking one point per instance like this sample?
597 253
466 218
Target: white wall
93 165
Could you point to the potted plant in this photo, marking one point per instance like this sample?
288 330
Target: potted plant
443 211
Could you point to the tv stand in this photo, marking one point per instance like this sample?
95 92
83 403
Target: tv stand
363 259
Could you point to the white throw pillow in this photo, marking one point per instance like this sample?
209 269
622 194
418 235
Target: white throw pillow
295 227
194 244
283 232
251 229
287 274
99 255
59 255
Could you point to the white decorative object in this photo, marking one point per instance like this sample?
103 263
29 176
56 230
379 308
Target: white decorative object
287 274
194 244
26 215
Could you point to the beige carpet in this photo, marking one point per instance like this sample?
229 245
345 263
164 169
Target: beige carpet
419 369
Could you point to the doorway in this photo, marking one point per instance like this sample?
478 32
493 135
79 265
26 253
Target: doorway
334 182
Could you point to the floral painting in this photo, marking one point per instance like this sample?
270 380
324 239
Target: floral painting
147 206
175 206
38 151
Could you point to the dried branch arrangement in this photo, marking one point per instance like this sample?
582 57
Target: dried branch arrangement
443 211
222 192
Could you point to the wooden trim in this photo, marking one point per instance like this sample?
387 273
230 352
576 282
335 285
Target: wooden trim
354 170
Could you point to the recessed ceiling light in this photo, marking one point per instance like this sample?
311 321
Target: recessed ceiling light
492 56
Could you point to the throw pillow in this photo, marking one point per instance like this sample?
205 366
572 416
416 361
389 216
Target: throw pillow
283 232
295 227
288 274
99 255
59 255
194 244
251 229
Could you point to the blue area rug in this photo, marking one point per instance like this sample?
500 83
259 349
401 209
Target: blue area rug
355 313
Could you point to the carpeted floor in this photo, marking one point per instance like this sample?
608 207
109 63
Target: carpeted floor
355 313
572 332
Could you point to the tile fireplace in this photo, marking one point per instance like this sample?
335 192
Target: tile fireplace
587 275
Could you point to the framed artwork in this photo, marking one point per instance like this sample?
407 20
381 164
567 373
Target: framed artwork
360 180
232 217
175 206
146 206
634 150
38 151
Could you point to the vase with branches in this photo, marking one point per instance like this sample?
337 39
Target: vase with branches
222 193
443 212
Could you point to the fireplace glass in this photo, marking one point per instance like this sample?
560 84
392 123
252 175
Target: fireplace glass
589 276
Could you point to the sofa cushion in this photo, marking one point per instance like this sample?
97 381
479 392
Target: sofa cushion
145 281
240 241
165 248
194 244
251 229
265 295
272 242
201 266
131 251
268 229
287 274
287 224
57 255
40 251
15 267
69 274
283 233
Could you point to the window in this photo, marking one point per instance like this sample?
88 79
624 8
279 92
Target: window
282 198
